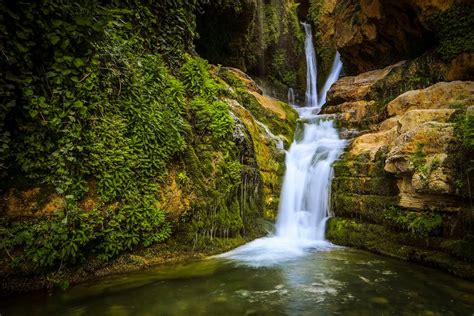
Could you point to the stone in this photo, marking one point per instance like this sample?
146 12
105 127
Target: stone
433 136
461 67
389 123
356 114
442 95
356 88
245 79
411 119
373 142
33 202
372 34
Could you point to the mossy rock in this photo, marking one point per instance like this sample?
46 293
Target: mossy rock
383 186
368 207
379 239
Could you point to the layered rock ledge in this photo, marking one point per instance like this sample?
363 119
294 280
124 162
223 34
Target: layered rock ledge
403 186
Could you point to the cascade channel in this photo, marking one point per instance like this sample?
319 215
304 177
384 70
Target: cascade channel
304 201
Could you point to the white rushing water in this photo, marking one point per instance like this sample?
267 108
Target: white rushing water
311 69
333 76
304 200
279 142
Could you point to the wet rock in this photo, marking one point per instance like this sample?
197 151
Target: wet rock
33 202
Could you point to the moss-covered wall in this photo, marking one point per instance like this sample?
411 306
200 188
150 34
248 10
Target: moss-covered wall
263 38
115 135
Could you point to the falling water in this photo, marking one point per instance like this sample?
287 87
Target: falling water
333 76
291 97
311 66
304 200
279 141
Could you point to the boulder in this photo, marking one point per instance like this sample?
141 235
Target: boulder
415 144
412 119
354 88
426 139
442 95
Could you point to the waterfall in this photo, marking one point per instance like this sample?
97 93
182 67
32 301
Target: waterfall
277 139
304 201
333 76
291 97
311 75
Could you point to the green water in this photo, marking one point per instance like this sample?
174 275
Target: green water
338 281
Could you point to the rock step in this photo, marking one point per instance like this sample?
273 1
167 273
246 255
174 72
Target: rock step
366 185
359 168
368 207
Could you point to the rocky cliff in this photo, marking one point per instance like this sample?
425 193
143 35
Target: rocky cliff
372 34
404 185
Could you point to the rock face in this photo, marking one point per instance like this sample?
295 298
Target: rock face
263 38
364 97
401 171
371 34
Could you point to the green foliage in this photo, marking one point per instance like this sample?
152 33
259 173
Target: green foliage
49 242
421 164
86 96
269 118
418 157
133 224
197 80
314 11
212 118
464 161
67 239
454 30
422 224
97 102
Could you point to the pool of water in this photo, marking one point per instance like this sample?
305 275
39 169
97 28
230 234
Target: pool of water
339 281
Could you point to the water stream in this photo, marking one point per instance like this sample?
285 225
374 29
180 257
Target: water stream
304 200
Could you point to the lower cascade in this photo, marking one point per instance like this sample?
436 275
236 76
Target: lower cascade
304 202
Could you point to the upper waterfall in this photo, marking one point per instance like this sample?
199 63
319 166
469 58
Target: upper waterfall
333 76
311 99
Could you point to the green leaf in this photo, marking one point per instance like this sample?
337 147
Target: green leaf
78 104
78 62
54 39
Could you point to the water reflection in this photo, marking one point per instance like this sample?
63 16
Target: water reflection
336 281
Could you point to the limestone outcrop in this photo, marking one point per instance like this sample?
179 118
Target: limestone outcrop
401 170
